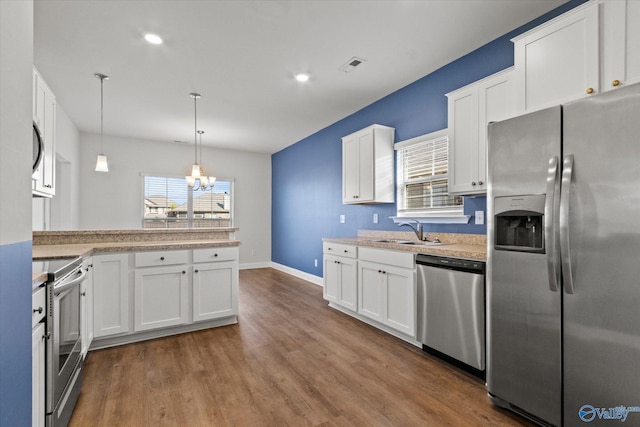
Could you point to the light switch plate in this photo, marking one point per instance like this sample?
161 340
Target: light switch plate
479 217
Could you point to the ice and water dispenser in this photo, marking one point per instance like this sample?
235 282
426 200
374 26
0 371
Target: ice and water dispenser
519 223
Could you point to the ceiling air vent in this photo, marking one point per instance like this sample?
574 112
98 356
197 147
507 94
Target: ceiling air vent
351 64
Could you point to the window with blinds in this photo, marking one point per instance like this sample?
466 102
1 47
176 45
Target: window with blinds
169 203
422 181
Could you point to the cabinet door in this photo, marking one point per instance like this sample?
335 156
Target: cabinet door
348 289
463 141
86 309
400 296
215 290
110 294
559 61
161 297
350 171
496 102
331 290
45 118
621 38
366 171
370 291
37 376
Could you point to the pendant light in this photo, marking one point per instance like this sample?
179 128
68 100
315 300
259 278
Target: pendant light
198 179
101 162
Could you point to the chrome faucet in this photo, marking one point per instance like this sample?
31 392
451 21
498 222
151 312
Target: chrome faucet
417 229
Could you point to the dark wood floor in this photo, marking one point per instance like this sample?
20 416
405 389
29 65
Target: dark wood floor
291 361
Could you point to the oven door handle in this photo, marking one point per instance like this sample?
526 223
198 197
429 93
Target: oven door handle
57 290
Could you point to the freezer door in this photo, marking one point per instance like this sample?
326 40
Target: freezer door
523 313
602 314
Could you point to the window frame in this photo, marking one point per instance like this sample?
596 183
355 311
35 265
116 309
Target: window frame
190 213
438 214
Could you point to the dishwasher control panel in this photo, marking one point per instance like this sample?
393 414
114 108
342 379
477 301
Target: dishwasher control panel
451 263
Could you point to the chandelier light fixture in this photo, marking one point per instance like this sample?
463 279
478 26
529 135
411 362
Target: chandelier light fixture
101 162
198 180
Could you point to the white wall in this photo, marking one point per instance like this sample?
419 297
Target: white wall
113 200
16 119
16 62
61 212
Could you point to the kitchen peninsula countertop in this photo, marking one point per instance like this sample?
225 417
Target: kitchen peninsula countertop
82 243
468 246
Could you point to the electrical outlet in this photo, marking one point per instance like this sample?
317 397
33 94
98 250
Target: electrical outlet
479 217
343 219
315 262
253 252
375 218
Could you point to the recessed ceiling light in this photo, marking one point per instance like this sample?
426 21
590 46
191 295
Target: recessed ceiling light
302 77
153 38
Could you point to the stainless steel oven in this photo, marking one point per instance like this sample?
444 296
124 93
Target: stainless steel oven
63 351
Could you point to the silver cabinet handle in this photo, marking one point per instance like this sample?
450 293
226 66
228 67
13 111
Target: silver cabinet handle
565 247
550 209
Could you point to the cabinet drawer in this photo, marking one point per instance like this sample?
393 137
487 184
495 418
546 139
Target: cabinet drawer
38 305
215 254
384 256
339 249
155 258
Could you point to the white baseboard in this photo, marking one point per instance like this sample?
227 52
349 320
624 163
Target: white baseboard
252 265
297 273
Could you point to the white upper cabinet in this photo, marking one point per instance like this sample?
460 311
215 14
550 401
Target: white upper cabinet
44 117
620 35
590 49
558 61
471 109
367 166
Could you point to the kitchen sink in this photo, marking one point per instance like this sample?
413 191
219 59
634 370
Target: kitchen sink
408 242
418 243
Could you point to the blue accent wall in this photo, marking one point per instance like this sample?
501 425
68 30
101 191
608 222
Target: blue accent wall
307 176
15 334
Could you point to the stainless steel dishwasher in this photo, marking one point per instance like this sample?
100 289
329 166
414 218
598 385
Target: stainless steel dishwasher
450 309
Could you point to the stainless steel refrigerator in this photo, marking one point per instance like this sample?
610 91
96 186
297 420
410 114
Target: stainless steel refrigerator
563 270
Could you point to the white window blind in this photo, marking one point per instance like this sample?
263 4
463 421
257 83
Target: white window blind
170 203
423 181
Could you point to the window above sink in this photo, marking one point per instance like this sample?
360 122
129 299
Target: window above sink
422 181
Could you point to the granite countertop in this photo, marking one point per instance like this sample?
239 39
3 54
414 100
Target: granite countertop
52 245
41 252
453 245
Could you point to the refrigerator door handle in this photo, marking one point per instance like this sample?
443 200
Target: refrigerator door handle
565 197
550 234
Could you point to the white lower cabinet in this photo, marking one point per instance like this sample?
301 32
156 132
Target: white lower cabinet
86 307
161 297
387 295
215 290
38 346
377 284
110 294
137 295
340 281
340 275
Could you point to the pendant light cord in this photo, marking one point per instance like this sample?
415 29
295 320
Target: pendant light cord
195 97
101 115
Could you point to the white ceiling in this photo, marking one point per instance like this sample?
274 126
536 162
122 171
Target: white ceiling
242 55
